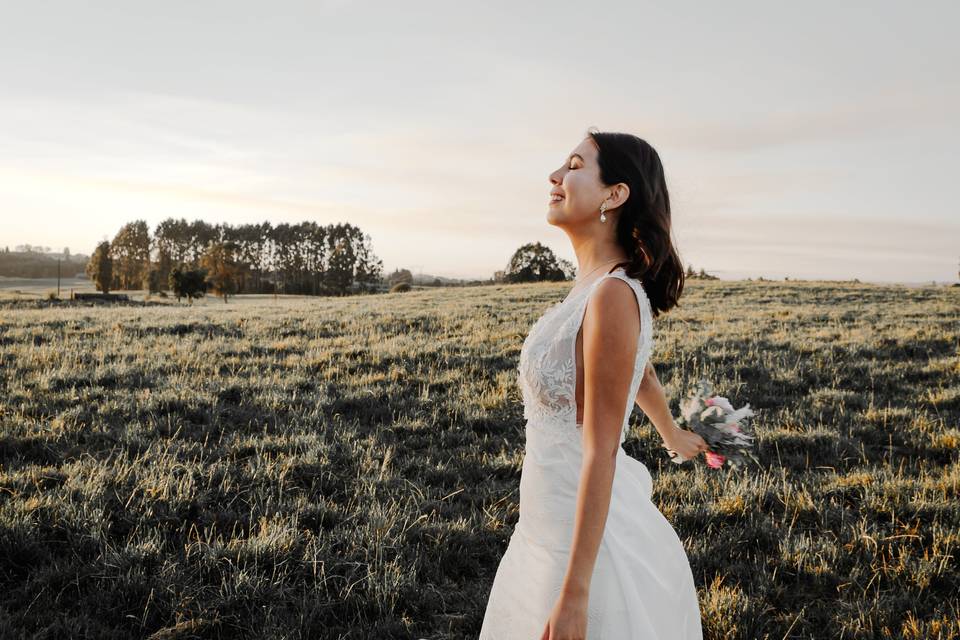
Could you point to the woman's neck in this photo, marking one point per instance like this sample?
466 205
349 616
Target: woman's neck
597 257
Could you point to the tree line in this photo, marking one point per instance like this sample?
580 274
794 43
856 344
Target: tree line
304 258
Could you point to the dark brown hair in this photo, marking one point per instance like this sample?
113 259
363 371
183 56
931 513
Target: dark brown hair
643 226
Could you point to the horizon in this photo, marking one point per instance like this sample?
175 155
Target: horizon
726 276
788 151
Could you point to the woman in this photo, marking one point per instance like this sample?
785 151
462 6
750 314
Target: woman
591 556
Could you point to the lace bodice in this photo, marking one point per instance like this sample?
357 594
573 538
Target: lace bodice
547 368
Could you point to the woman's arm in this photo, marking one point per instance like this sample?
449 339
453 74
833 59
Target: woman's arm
653 402
611 329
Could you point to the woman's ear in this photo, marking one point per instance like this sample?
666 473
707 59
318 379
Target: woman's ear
619 195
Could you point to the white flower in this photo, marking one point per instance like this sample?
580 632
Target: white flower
723 403
739 414
712 412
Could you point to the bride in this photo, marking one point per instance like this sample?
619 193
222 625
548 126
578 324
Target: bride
591 556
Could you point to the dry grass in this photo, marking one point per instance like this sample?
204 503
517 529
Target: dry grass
348 468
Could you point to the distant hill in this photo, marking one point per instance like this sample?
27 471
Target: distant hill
36 264
429 280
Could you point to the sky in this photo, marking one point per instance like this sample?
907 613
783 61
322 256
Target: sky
813 140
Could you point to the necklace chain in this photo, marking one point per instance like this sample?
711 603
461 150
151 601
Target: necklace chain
581 279
571 293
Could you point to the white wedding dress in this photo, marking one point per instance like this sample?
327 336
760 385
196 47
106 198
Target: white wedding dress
642 585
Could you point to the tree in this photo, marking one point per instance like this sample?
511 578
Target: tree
313 237
130 251
153 280
285 258
100 267
368 269
252 240
339 274
163 248
221 266
172 240
400 275
201 234
569 271
534 262
188 283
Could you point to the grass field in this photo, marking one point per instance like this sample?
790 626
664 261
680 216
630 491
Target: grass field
349 468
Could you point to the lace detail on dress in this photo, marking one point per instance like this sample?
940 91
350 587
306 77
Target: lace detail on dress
547 369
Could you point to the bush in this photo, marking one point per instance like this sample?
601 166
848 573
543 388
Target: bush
400 287
188 283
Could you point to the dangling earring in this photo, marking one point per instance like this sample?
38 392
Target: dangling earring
603 207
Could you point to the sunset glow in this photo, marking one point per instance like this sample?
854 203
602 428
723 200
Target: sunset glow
794 146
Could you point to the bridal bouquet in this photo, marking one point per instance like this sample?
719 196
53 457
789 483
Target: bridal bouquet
725 430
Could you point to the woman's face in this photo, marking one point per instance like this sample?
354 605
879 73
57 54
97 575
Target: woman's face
578 182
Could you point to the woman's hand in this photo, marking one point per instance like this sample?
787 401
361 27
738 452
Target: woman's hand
568 620
687 443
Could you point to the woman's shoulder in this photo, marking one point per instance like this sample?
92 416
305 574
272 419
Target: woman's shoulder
610 294
636 284
621 274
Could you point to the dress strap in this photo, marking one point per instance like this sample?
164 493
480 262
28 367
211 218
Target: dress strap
643 303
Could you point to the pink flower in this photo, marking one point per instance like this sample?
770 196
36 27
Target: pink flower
733 426
714 460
